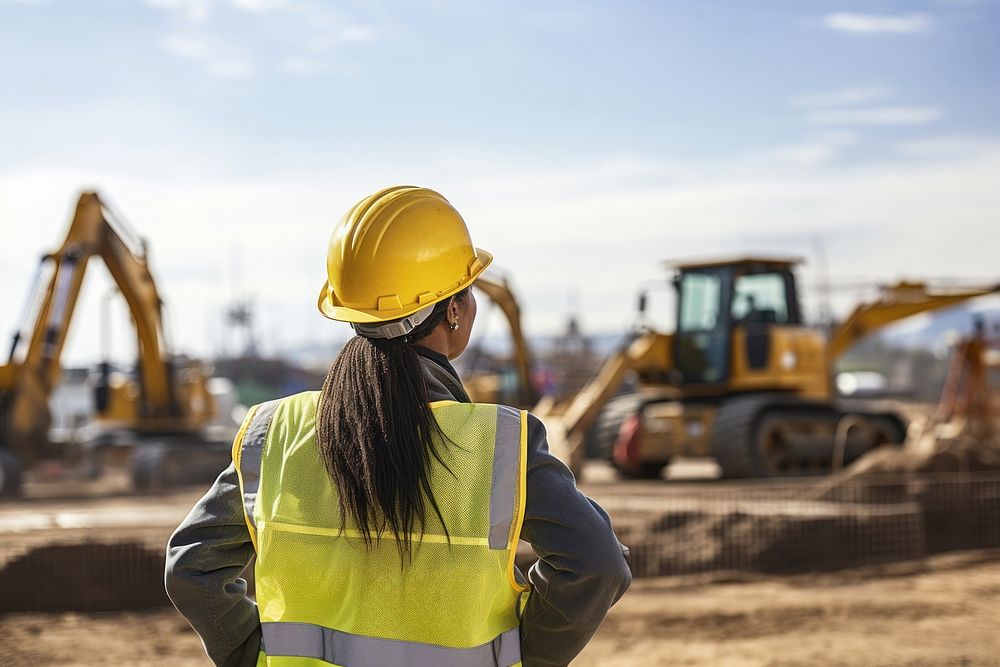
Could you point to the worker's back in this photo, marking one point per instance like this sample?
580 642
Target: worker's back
324 593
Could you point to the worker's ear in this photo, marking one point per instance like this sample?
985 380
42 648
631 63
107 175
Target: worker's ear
453 309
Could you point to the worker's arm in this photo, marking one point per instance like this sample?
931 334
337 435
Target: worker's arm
205 557
581 570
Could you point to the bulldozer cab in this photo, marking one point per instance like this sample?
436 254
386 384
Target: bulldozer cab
717 299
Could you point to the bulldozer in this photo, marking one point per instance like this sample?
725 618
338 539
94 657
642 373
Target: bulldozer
160 411
742 379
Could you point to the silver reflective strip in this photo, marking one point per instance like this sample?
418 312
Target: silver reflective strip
251 450
306 640
505 459
394 329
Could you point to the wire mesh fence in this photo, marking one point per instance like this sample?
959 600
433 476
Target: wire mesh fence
79 571
827 524
672 530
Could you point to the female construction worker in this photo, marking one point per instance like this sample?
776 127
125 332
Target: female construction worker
384 511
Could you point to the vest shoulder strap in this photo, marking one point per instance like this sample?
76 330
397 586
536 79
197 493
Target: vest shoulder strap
247 452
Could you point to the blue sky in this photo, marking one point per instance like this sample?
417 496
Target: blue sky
583 142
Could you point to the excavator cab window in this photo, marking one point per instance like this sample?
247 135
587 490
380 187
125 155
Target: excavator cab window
702 338
765 297
713 300
762 297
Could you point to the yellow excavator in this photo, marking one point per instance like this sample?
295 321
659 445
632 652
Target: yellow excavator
742 379
490 387
164 407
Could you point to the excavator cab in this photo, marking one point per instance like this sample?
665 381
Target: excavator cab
727 310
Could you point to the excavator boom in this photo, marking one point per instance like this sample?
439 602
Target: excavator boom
500 294
896 302
34 369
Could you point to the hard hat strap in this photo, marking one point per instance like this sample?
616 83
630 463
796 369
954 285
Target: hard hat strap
394 329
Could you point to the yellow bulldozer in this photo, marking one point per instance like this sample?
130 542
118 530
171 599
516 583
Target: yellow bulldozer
161 409
742 379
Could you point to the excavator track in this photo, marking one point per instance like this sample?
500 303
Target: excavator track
776 435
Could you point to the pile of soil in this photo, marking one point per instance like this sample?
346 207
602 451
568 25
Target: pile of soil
770 537
84 577
952 447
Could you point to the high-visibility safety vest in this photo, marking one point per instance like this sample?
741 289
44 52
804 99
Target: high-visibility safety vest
324 597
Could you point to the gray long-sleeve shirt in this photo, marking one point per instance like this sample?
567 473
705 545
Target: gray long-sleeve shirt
580 573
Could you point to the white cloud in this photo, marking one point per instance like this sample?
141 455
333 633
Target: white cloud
841 97
219 59
819 150
298 65
195 11
354 34
188 47
876 116
940 147
230 69
259 5
874 23
299 41
334 35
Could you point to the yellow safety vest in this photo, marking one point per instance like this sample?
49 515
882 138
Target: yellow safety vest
324 598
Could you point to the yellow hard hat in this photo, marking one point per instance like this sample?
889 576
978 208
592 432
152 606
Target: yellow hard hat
395 254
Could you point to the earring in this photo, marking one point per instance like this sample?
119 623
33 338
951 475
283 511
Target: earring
454 325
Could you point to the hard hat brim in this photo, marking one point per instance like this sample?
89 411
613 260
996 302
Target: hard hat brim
332 308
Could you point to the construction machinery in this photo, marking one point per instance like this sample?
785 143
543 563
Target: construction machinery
742 379
966 408
488 386
162 409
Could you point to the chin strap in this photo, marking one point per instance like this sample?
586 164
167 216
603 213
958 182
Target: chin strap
396 328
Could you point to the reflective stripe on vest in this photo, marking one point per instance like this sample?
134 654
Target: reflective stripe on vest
504 489
251 450
305 640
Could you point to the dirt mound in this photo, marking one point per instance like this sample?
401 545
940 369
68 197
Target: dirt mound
958 446
84 577
765 537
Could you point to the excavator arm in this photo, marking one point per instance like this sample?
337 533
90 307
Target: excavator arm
896 302
500 294
566 430
34 368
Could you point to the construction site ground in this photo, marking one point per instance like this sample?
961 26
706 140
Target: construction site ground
941 610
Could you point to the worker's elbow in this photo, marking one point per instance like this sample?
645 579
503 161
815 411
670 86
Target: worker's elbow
610 571
173 584
177 579
622 576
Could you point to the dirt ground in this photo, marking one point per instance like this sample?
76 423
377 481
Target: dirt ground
942 611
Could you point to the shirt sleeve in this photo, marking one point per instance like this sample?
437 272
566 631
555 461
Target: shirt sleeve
581 571
205 557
